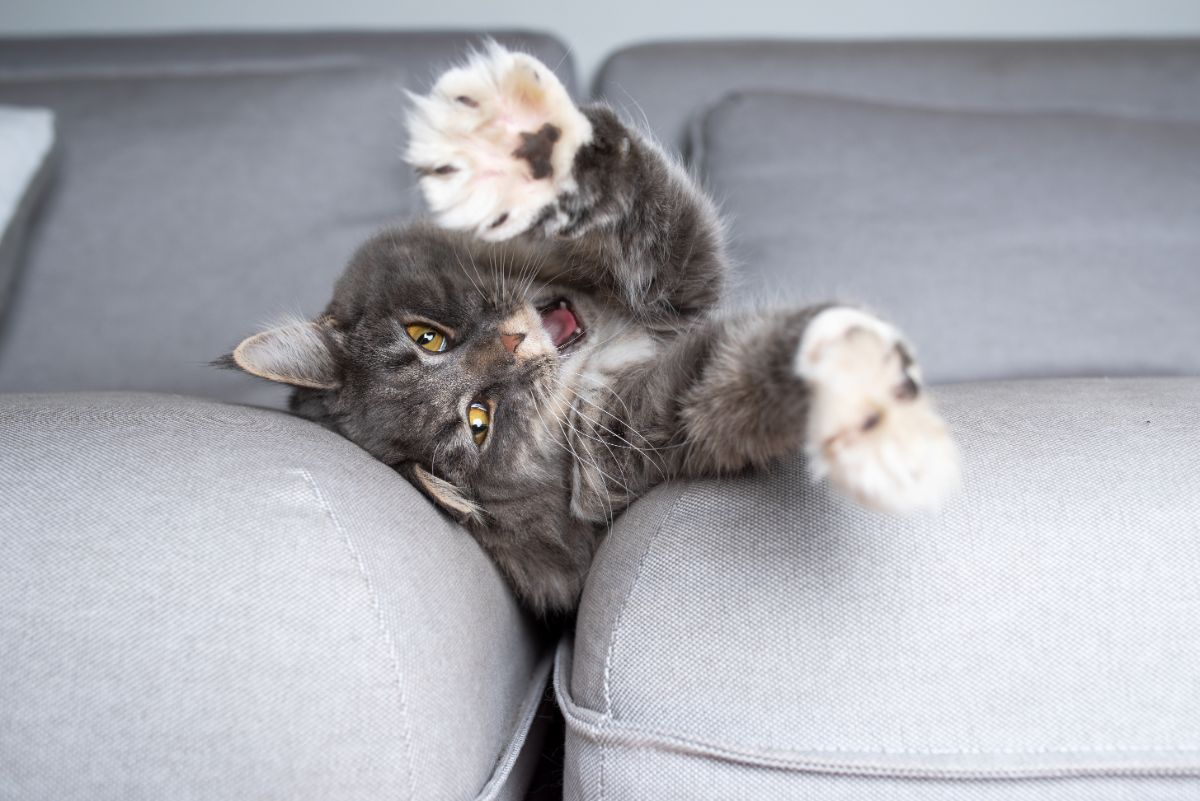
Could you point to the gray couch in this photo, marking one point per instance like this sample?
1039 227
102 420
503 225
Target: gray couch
202 597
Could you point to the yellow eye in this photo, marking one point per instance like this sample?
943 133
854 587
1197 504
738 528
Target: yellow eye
427 337
479 419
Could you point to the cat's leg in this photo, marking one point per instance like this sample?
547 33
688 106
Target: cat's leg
503 151
836 383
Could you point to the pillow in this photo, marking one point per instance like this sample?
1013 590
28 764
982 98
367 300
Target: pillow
662 84
26 142
1005 243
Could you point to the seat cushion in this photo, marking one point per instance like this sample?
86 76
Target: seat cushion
758 637
1006 244
665 84
205 601
26 147
208 185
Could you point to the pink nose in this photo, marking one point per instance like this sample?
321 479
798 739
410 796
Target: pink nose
511 341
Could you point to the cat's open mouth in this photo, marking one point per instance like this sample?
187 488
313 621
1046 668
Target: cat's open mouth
562 324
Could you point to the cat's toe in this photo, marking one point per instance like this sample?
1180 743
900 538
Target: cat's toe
494 143
871 427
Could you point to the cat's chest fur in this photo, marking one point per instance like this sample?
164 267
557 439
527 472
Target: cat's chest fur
599 427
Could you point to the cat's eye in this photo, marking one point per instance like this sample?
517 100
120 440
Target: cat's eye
479 419
427 337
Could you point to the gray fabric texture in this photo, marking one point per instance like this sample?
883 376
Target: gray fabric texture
630 773
208 185
1004 244
200 600
759 637
26 158
664 84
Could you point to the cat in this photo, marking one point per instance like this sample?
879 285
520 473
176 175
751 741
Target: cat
551 346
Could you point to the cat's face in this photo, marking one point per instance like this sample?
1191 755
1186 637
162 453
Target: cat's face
438 357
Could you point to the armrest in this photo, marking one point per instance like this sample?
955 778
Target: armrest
208 601
1043 624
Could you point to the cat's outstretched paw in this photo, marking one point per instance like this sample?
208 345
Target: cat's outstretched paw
871 428
494 142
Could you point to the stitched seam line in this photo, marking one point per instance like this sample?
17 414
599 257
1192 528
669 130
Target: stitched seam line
380 623
607 734
637 577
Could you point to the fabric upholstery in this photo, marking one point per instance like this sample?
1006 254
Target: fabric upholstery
26 146
201 600
664 84
208 185
758 637
1003 244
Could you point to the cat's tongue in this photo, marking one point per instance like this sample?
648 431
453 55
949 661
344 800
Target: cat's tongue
560 324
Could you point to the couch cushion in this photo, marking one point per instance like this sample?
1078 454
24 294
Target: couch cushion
757 637
200 600
1005 244
26 146
665 84
208 185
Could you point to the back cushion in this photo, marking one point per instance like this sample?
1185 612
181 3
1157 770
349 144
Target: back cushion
207 186
1005 244
26 159
664 84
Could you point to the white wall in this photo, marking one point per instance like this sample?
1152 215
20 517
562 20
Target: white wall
594 28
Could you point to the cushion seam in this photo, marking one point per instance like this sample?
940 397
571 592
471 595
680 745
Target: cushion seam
612 639
607 733
385 634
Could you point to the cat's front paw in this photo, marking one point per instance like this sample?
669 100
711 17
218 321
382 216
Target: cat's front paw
871 427
494 142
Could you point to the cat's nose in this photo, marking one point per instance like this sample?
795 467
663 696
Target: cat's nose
511 341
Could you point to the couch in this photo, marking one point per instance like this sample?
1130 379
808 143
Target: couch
204 597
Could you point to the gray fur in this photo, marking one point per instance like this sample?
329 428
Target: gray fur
639 251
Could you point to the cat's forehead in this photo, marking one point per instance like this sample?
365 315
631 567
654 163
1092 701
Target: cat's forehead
431 274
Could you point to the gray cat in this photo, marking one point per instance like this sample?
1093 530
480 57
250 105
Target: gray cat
551 349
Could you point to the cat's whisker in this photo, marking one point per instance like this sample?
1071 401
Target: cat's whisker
652 450
563 421
623 485
461 266
565 444
648 452
491 297
597 384
566 422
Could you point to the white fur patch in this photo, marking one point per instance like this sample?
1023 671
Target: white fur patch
832 325
464 135
622 351
886 449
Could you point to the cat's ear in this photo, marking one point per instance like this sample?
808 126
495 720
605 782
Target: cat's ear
447 496
295 353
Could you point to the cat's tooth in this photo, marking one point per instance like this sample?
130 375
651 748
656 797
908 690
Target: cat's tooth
562 304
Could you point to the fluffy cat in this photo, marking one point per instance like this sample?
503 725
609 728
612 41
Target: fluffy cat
551 348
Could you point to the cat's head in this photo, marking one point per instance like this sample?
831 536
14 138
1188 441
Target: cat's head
438 357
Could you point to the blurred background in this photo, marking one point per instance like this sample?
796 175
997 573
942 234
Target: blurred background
593 29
